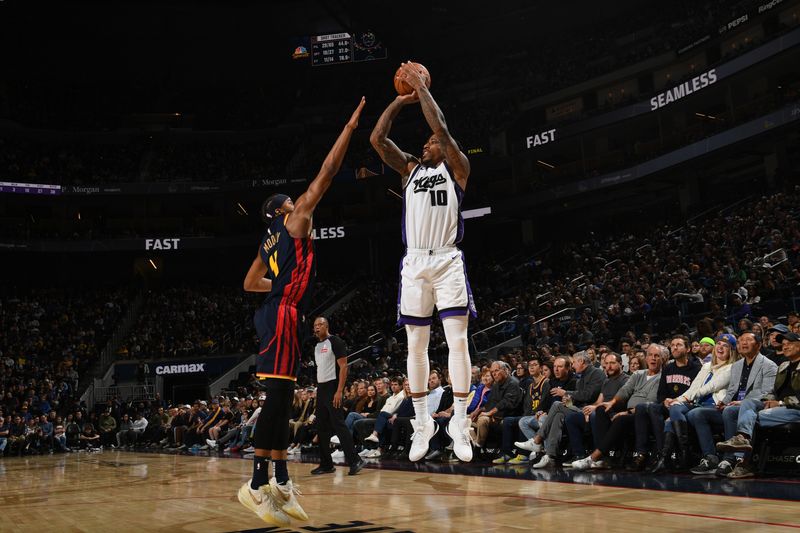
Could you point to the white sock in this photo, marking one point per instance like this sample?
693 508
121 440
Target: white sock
459 407
421 409
418 365
458 361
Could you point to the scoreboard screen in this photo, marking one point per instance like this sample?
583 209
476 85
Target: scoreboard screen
345 48
331 49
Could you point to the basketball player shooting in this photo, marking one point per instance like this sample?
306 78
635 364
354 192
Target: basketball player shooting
433 271
284 268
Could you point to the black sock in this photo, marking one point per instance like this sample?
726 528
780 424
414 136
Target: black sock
260 472
281 472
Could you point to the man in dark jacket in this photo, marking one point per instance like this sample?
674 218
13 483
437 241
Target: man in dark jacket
587 389
504 401
530 404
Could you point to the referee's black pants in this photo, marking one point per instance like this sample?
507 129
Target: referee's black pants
330 421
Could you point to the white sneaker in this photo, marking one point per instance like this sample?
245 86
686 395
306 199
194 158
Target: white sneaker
544 462
583 464
263 505
458 430
372 438
211 443
373 454
529 445
286 497
338 455
294 450
599 465
362 453
423 433
335 440
249 449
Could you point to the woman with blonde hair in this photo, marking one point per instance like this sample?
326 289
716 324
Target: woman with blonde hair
707 388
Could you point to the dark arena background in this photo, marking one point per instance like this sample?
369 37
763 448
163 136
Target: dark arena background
632 209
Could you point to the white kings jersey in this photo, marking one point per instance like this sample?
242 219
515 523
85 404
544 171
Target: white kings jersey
432 208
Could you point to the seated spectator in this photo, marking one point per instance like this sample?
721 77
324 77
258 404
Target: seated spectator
705 349
441 417
389 408
16 437
125 426
780 406
238 418
511 424
33 436
108 428
612 426
635 363
178 425
560 376
576 423
302 408
89 438
303 435
482 392
587 388
752 378
505 400
368 404
157 426
247 430
4 432
708 388
72 430
400 424
46 428
676 378
60 436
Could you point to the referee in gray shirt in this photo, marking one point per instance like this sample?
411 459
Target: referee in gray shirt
330 355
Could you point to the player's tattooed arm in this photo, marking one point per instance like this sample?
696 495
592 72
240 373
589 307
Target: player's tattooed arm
255 281
393 156
435 119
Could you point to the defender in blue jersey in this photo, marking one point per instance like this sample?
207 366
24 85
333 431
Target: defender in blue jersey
284 268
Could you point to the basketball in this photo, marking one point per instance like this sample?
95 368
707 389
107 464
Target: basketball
402 87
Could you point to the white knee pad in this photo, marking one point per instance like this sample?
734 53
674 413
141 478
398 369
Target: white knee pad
418 364
455 331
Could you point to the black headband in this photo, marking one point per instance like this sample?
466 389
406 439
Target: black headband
270 208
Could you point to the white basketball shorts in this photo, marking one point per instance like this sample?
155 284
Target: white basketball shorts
433 278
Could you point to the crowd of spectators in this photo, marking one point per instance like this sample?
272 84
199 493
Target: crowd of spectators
50 338
190 321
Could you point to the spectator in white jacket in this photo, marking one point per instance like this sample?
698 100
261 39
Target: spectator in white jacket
389 408
137 428
707 389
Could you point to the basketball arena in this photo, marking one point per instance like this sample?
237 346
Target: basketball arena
349 266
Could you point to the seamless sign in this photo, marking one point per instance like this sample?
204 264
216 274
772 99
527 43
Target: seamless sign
535 138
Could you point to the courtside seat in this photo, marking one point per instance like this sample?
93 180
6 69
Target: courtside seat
777 449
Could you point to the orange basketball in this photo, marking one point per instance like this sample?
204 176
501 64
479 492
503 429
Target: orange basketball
402 87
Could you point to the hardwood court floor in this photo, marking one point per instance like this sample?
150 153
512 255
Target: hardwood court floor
124 491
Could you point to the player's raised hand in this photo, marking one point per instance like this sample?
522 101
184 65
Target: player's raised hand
405 99
353 122
410 74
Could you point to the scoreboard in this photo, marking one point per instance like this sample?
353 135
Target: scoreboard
337 48
331 49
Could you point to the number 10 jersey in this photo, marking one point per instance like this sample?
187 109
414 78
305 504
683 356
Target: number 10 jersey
432 209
